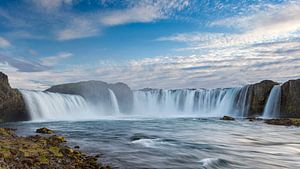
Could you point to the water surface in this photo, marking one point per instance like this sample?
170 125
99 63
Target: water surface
180 142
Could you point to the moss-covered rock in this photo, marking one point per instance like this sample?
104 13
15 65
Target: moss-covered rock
44 130
41 153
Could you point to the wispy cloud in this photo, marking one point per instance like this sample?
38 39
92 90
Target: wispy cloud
57 19
4 43
77 29
53 60
275 23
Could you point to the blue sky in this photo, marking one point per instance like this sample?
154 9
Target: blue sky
149 43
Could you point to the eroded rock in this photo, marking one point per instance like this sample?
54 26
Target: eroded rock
41 153
12 105
227 118
44 130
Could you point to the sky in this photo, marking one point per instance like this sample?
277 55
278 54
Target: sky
149 43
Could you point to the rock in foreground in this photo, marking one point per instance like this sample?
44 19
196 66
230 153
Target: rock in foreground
227 118
284 122
41 153
44 130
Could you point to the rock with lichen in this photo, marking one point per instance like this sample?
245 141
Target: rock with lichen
44 130
41 153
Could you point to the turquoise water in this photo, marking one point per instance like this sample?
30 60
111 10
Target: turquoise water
180 142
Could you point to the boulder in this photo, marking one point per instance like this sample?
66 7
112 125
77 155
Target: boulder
227 118
258 95
290 99
97 92
44 130
12 106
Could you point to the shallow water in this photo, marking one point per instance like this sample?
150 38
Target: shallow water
180 142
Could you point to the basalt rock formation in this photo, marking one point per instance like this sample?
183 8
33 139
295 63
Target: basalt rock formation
258 95
12 106
290 99
97 92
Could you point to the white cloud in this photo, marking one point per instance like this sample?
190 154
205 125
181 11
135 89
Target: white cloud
222 68
4 43
135 14
53 60
50 5
78 28
276 23
143 11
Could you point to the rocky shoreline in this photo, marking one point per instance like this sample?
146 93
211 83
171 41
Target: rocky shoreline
43 151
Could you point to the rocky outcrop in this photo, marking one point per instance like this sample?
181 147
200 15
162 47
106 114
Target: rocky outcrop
258 95
97 92
41 153
12 106
290 99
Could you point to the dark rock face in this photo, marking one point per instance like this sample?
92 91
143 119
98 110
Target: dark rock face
12 106
290 99
258 94
97 92
284 122
227 118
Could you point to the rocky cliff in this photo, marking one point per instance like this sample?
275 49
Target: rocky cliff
258 95
97 92
290 99
12 106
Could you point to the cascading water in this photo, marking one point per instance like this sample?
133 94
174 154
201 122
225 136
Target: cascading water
152 102
272 108
54 106
114 102
215 102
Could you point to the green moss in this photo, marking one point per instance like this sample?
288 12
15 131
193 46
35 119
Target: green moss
5 152
56 151
43 160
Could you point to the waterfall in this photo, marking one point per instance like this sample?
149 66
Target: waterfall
54 106
150 102
114 102
272 108
201 102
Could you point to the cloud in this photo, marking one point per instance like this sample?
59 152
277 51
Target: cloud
223 68
135 14
51 5
53 60
144 11
62 20
22 65
78 28
279 22
4 43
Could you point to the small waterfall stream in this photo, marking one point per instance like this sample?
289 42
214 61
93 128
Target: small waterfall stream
272 108
114 102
